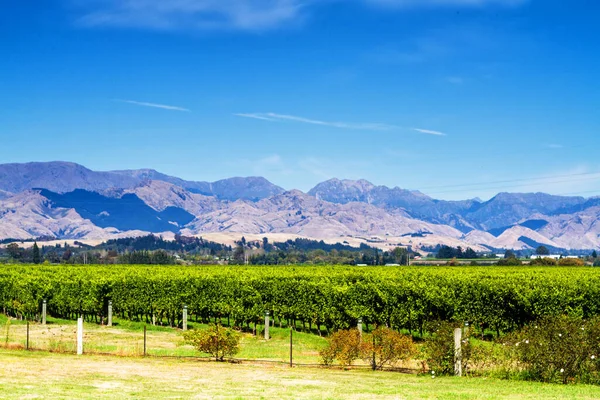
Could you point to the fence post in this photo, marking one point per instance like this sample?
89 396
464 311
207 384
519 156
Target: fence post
359 326
109 313
144 340
79 336
291 346
27 345
44 312
267 323
185 318
457 352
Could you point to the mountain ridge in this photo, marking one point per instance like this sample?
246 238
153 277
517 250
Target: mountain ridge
99 202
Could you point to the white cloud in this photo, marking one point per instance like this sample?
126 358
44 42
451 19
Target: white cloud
342 125
255 116
429 132
154 105
273 117
191 14
230 14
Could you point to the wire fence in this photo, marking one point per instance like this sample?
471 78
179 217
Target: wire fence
158 342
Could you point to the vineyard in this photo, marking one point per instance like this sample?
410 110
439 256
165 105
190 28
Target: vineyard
321 299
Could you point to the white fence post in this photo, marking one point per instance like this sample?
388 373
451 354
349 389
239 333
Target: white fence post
185 310
109 313
457 352
267 323
79 336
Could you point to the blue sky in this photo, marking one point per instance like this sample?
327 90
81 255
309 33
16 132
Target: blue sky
456 98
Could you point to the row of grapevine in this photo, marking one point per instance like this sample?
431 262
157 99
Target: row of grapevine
332 297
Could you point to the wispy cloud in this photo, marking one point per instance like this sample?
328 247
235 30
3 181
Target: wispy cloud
154 105
192 14
429 132
554 146
341 125
255 116
273 117
231 14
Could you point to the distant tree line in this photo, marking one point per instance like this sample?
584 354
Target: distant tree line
451 252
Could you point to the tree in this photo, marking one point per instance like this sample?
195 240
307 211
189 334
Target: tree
14 251
36 254
400 255
470 253
594 254
542 251
217 341
509 254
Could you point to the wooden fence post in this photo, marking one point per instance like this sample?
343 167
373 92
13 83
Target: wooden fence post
267 323
457 352
109 313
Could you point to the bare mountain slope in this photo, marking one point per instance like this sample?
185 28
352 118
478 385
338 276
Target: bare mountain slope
58 177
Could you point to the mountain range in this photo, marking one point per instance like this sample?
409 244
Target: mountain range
68 201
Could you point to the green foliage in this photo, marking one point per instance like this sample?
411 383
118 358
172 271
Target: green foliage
331 297
438 349
343 346
542 251
217 341
547 261
451 252
510 261
558 349
387 347
36 254
159 257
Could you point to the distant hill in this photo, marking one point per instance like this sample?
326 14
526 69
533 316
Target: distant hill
67 200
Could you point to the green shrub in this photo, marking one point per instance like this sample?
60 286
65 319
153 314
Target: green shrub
512 261
543 261
557 349
343 346
217 341
386 347
438 349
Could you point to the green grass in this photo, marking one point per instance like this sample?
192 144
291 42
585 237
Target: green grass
127 338
58 376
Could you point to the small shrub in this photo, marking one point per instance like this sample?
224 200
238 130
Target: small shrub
570 262
512 261
386 347
343 346
217 341
543 261
557 349
438 349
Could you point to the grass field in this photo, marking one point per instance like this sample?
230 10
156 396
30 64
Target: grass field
49 375
126 338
